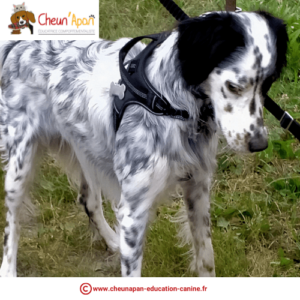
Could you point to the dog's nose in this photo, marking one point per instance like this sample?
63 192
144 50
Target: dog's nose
258 142
22 22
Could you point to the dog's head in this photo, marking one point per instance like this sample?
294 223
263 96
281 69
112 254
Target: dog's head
234 59
21 17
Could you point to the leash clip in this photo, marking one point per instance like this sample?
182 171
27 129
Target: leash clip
286 120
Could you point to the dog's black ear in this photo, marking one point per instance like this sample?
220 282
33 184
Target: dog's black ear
204 42
278 28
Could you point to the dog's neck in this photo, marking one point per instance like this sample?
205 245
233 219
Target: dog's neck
163 71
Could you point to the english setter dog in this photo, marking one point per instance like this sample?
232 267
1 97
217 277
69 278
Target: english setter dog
55 96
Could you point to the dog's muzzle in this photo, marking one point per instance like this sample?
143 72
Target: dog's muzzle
258 142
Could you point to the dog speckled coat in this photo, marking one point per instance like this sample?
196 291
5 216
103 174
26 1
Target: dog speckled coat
56 96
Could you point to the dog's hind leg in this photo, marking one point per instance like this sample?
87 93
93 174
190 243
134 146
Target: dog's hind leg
21 150
197 201
92 201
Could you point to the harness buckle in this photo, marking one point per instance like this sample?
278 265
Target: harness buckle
158 103
286 120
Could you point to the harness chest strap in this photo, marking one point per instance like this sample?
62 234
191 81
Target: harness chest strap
135 88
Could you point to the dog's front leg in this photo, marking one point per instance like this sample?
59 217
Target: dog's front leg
197 201
133 221
141 184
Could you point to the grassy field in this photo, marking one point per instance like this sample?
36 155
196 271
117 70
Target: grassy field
255 199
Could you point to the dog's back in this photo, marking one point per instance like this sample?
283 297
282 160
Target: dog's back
59 83
52 84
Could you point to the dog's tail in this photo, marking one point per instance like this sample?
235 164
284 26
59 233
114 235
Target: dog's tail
5 48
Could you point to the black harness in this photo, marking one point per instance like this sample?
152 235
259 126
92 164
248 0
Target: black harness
135 88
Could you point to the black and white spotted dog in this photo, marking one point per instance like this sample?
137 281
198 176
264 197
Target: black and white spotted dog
55 95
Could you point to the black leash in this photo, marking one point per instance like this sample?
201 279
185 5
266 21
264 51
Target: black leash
174 10
286 120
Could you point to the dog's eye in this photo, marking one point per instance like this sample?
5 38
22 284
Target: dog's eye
18 17
233 88
23 16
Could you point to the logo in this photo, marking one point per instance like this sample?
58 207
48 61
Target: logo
21 20
85 289
45 20
69 24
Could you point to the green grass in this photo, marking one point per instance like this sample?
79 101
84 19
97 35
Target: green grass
255 199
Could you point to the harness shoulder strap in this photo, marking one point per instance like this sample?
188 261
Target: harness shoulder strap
126 78
136 87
